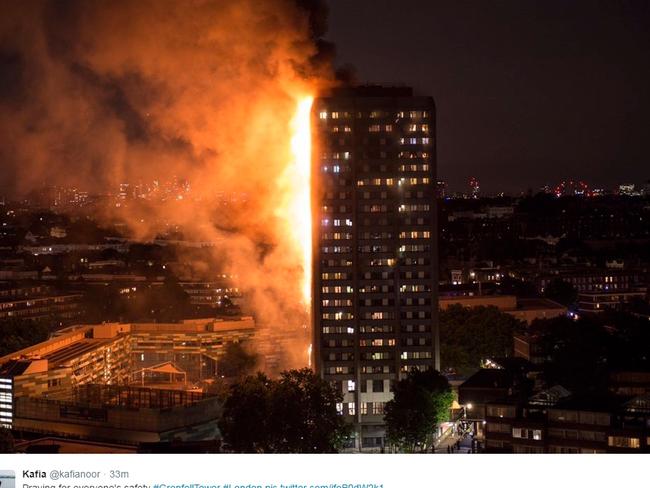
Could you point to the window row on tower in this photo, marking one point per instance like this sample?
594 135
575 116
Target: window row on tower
372 114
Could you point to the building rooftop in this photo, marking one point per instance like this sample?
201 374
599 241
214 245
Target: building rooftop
593 403
77 340
637 290
550 396
638 404
489 378
538 304
90 394
503 302
61 356
15 367
370 91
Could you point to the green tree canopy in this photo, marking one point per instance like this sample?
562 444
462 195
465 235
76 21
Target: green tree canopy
421 401
469 335
294 414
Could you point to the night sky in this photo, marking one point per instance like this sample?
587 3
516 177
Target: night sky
528 92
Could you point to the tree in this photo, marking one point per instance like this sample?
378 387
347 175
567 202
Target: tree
169 302
561 291
421 401
310 403
469 335
237 361
7 445
16 334
244 424
104 303
294 414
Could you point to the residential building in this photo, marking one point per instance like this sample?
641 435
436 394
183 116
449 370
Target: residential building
375 260
34 302
586 279
119 382
554 421
599 301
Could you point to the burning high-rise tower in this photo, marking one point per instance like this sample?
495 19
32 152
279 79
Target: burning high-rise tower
375 252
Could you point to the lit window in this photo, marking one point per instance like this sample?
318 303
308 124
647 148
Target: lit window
626 442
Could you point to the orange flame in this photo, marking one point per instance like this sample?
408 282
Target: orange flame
296 182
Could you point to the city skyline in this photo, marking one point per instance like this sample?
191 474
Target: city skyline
226 227
520 87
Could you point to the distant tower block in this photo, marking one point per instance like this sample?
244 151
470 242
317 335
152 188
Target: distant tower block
474 188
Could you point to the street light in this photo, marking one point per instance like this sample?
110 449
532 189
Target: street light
466 407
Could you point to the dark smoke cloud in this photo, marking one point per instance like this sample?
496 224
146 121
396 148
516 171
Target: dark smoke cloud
97 93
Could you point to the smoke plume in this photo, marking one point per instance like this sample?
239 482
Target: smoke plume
95 94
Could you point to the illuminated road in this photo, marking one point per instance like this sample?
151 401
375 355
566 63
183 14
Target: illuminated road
464 447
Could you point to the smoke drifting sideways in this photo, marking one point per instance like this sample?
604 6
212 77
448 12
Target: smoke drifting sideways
93 94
